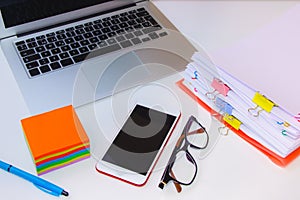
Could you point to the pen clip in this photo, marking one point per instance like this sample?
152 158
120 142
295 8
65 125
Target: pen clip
47 191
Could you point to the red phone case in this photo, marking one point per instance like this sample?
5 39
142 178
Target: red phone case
140 185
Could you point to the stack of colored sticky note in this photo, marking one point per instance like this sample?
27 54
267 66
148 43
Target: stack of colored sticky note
56 139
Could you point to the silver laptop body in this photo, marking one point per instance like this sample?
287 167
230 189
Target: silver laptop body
125 61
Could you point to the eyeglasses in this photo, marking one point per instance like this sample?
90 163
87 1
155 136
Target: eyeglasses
182 167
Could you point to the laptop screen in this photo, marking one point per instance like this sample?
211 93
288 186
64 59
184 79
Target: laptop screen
16 12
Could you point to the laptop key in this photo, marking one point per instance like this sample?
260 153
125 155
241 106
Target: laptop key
34 72
66 62
22 47
111 41
42 42
31 58
103 37
61 36
27 52
30 40
45 69
32 65
66 48
74 52
136 41
120 38
129 36
32 45
142 14
46 54
126 43
102 44
70 29
70 34
54 58
64 55
40 49
40 37
78 38
75 45
80 57
94 40
105 30
44 61
20 43
146 39
83 49
153 35
50 34
84 42
97 52
50 46
163 34
55 51
55 65
138 33
151 29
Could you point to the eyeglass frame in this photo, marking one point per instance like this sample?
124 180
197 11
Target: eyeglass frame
166 177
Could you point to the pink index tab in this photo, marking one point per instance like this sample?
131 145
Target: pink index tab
219 86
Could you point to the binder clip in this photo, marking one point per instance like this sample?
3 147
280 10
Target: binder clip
261 102
232 121
219 88
223 106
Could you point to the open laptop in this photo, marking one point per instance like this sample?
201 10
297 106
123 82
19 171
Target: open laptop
64 52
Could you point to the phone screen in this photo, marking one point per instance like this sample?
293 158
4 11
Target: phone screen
140 139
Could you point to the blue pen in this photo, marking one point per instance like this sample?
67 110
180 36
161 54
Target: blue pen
38 182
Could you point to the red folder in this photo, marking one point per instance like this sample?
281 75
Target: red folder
278 160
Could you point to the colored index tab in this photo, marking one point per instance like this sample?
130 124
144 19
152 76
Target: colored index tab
263 102
233 121
219 86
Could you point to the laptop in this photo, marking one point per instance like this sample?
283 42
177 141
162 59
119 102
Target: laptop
65 52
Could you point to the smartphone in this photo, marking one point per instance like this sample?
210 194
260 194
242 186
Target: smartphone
137 146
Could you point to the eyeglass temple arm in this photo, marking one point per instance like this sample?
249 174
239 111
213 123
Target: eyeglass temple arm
177 185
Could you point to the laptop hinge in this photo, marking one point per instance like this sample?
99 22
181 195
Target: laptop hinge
75 20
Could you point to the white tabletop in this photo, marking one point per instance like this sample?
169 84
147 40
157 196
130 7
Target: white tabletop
233 170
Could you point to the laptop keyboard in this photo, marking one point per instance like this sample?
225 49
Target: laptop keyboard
66 47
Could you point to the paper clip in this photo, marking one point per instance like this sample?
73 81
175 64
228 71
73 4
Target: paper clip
297 117
196 75
283 132
219 87
262 102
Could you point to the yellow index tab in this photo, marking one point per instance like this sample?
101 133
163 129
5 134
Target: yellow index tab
233 121
263 102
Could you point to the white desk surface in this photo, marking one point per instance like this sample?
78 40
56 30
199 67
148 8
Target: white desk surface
234 169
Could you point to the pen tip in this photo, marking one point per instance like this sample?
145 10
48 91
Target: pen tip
65 193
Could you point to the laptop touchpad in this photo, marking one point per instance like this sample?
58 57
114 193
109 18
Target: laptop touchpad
112 74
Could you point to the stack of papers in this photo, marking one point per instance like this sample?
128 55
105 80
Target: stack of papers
259 120
56 139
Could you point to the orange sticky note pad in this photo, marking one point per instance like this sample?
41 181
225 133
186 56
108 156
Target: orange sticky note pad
56 138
